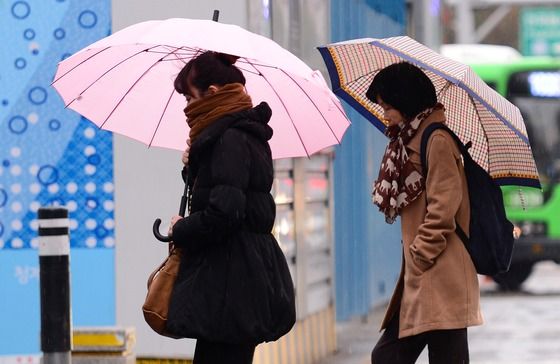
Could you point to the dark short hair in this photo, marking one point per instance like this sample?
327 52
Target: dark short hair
208 68
405 87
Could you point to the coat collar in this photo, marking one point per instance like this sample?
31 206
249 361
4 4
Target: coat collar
437 116
253 121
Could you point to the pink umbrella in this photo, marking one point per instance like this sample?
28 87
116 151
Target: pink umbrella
124 83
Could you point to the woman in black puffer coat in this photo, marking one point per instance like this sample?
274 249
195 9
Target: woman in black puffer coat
234 289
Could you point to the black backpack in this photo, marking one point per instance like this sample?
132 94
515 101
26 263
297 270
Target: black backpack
490 240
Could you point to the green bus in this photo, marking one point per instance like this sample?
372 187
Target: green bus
533 85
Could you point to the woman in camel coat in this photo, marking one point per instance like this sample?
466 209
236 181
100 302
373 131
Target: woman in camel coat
437 294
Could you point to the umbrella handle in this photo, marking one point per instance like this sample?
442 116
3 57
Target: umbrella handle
160 237
182 210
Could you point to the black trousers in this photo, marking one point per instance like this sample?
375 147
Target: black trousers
207 352
444 346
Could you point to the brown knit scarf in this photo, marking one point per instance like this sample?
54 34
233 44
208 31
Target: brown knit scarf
227 100
399 183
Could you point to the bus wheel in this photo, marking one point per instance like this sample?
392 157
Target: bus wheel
512 279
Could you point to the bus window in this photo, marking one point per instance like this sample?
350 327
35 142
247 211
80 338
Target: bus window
541 119
544 84
540 83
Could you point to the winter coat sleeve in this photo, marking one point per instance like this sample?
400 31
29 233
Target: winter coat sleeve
225 211
443 201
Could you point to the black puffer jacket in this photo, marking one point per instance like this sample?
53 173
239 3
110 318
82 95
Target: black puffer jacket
234 284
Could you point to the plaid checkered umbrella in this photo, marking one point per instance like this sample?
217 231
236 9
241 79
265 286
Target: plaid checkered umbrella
474 111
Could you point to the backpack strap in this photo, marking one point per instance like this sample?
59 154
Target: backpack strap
463 148
424 159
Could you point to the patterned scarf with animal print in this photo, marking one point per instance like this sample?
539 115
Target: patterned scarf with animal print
399 183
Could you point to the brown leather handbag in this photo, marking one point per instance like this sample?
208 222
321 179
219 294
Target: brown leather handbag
160 287
162 280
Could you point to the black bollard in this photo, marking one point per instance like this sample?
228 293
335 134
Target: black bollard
54 250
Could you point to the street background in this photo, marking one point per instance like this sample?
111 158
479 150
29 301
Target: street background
519 327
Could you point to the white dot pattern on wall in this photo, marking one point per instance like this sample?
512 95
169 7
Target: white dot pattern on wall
51 156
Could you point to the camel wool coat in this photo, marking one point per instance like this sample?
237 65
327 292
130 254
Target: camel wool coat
438 285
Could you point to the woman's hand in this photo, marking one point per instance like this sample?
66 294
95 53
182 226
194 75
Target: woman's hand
517 232
185 156
174 220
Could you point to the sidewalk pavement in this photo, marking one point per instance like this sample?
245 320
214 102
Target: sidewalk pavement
356 339
520 327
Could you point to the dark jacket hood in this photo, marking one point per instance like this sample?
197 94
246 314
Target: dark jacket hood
253 121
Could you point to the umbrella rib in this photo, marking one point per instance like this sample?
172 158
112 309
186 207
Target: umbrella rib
167 53
350 83
174 53
128 92
444 89
176 48
314 104
196 50
161 118
79 64
484 131
105 73
283 104
249 71
246 60
179 56
494 111
339 108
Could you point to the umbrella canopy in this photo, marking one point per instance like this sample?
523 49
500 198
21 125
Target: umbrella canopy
475 112
124 83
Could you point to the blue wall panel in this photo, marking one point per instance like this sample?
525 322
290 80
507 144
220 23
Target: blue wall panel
367 250
51 156
92 287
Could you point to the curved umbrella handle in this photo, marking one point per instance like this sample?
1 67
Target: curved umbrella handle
160 237
182 210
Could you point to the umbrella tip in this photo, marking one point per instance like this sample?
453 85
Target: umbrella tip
216 15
